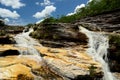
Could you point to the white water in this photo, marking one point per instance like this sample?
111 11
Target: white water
98 45
23 40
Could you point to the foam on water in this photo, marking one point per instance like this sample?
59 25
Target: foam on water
98 44
23 40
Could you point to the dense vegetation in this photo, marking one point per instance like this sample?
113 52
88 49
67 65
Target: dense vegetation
92 8
2 22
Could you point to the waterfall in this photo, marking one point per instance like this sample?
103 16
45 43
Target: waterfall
23 40
98 45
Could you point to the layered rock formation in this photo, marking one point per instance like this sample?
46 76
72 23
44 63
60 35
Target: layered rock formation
59 64
71 63
108 22
22 67
65 56
59 35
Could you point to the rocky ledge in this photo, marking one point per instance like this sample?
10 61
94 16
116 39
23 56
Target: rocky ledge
71 63
108 22
58 35
58 63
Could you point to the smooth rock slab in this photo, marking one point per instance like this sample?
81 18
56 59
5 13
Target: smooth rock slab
69 63
13 66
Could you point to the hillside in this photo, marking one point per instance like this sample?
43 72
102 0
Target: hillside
82 46
55 33
92 8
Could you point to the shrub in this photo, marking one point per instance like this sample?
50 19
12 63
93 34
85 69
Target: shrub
114 39
92 71
2 33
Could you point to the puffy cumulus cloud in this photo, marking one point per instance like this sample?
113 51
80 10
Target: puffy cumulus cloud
46 12
46 3
13 3
76 9
69 14
5 13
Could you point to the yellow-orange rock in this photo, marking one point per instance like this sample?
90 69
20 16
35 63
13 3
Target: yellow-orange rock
13 66
69 62
58 63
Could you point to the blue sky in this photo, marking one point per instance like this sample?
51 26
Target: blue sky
22 12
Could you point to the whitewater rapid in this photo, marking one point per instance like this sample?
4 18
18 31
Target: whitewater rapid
98 44
26 45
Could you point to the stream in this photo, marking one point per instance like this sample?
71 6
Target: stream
98 45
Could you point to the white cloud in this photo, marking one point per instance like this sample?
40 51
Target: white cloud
13 3
37 3
76 9
46 3
46 12
69 14
5 13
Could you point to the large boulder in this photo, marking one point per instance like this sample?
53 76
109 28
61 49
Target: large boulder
60 34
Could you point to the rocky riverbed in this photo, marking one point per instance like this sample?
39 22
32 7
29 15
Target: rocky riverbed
59 63
63 51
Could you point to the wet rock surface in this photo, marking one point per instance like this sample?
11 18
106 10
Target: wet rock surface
25 68
70 63
58 64
109 23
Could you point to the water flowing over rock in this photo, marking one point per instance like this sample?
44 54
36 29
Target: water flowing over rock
24 40
37 62
98 45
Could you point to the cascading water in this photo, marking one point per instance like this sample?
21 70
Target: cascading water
98 45
23 40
